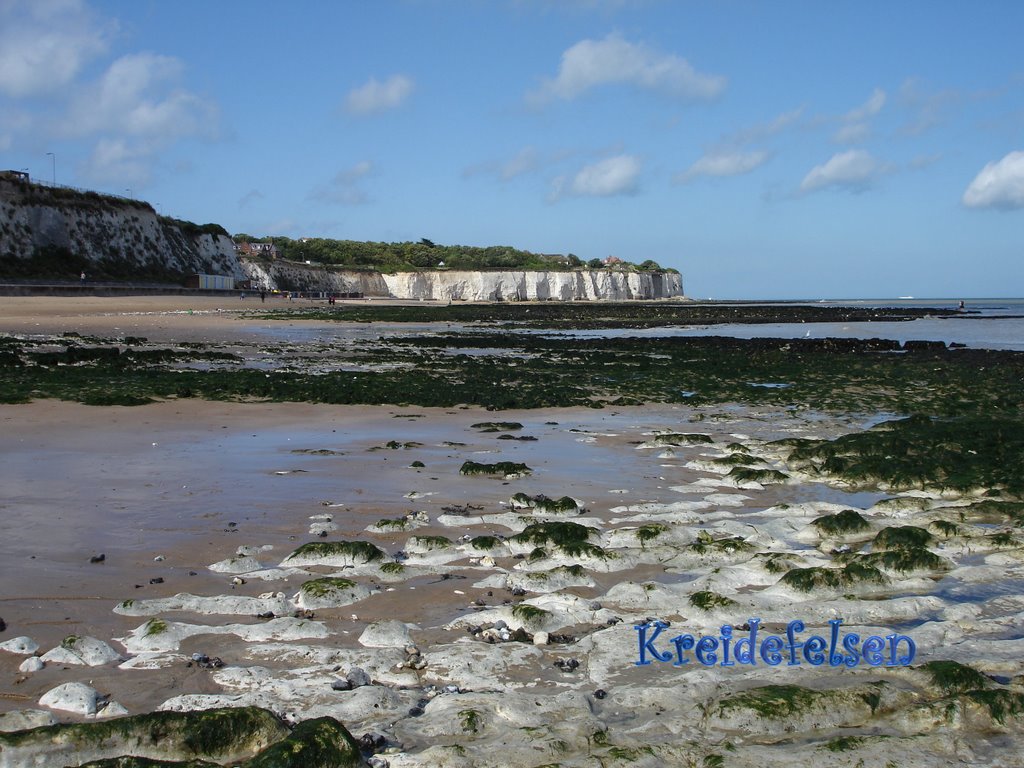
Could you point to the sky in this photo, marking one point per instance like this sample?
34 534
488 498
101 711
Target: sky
768 150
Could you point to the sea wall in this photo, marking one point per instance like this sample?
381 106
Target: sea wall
106 230
579 285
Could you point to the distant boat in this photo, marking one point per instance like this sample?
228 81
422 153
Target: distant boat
904 297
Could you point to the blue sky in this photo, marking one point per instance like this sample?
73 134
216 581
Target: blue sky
764 149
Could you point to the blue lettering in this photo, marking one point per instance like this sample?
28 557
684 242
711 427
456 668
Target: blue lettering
705 646
726 639
834 659
745 653
850 643
905 661
682 643
791 629
770 648
647 644
813 650
871 650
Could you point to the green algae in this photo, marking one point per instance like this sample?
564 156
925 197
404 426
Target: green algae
570 538
705 543
507 469
529 614
496 426
359 551
155 627
322 742
432 542
470 720
946 528
1000 703
818 577
649 532
847 521
902 537
326 586
744 474
953 677
484 542
707 600
772 701
219 734
392 569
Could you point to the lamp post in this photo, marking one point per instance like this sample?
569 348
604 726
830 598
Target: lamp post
53 157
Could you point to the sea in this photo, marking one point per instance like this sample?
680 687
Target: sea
983 324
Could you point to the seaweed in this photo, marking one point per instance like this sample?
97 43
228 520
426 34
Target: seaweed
155 627
392 568
847 521
484 542
649 532
743 474
902 537
953 677
946 528
496 426
325 586
808 579
507 469
999 702
470 720
772 701
706 600
363 551
705 543
322 742
570 538
432 542
529 614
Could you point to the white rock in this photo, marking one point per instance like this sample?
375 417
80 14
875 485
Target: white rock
540 638
25 646
31 664
386 634
113 709
71 697
82 650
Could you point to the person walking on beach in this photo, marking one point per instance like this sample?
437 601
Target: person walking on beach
81 278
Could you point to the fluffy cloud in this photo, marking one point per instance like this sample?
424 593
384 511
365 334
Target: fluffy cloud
45 43
724 164
139 95
119 161
345 187
375 96
593 63
617 175
998 185
854 170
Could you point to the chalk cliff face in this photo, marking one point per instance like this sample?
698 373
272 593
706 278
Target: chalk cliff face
581 285
292 276
107 230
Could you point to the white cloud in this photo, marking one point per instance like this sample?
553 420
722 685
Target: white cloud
45 44
854 133
854 170
375 96
618 175
138 95
345 187
119 161
998 185
869 108
593 63
724 164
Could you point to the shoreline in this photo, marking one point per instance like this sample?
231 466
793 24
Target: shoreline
198 483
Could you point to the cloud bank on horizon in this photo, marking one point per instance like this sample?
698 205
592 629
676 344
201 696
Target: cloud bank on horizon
854 153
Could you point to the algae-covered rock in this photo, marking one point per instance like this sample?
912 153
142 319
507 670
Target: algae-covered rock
323 742
222 735
146 762
335 553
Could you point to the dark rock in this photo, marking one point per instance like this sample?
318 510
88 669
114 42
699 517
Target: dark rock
567 665
3 625
600 693
97 558
358 677
341 685
372 742
415 711
157 580
267 615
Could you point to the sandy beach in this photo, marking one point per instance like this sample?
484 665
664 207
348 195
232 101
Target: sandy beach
162 492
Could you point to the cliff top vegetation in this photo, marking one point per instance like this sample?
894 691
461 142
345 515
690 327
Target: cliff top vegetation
425 254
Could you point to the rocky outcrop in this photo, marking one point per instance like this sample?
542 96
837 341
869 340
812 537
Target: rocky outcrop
444 285
578 285
123 236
